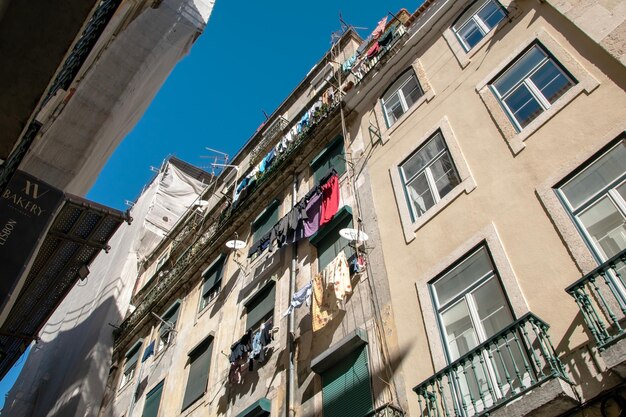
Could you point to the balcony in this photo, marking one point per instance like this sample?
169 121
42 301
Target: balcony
601 298
387 410
519 362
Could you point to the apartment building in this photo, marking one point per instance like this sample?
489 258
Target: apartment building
447 193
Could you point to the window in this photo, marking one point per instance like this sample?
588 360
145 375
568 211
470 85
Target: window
328 241
130 363
428 175
153 399
346 386
212 282
595 197
166 331
478 20
265 221
198 378
530 85
162 259
400 96
260 307
332 157
472 307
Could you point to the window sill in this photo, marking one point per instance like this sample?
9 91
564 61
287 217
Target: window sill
206 308
194 406
586 83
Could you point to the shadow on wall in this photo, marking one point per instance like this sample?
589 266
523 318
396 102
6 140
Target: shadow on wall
66 376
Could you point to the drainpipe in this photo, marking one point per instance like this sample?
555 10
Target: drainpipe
291 377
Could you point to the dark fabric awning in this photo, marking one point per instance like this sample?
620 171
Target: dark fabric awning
78 233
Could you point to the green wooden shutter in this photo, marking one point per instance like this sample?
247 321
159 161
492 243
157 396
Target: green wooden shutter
132 356
261 305
332 243
346 388
266 220
153 399
332 156
200 360
212 277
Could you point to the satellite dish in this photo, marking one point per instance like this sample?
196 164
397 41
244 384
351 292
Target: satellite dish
353 235
235 244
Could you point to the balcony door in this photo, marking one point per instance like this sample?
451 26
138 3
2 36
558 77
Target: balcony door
472 308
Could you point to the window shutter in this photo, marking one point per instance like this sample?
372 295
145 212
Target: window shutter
171 316
153 399
329 158
132 356
260 305
332 243
200 360
264 221
346 387
212 277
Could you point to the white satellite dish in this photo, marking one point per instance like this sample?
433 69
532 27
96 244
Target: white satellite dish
235 244
353 235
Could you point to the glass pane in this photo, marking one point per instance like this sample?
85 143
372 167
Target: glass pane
422 157
420 195
491 14
411 91
463 276
551 81
471 34
597 176
468 15
445 175
519 70
460 333
393 89
394 109
523 106
492 307
606 225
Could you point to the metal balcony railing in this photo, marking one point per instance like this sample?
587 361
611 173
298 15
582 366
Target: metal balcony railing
507 365
387 410
363 67
601 297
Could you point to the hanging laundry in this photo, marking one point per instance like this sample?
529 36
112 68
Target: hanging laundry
373 51
349 63
380 28
311 224
357 265
386 38
330 199
337 275
260 341
260 245
303 295
148 352
238 358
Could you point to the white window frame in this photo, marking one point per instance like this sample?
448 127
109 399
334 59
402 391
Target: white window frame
529 84
428 174
482 26
402 98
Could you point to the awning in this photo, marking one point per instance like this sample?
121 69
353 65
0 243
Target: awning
78 233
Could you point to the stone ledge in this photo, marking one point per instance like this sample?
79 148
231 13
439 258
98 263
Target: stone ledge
551 398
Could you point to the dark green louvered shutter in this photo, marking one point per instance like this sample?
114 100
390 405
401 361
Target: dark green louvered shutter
261 305
331 157
266 220
200 360
346 388
328 241
153 399
131 357
212 276
170 316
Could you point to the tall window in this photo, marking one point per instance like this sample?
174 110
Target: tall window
212 282
346 386
472 307
198 378
332 157
428 175
260 308
478 20
596 200
329 242
400 96
167 329
530 85
153 399
265 221
130 363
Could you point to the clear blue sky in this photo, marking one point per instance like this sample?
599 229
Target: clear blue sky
249 58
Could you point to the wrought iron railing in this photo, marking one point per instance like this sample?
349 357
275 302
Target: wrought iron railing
364 67
601 298
510 363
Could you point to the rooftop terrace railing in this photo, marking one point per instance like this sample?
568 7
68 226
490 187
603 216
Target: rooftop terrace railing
601 298
508 364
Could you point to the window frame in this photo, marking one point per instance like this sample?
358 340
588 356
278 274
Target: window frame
269 288
161 342
213 292
478 21
428 175
129 374
530 85
398 91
